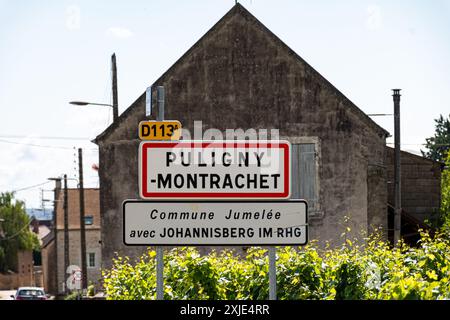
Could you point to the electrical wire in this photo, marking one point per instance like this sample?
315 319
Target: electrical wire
31 187
41 146
34 145
17 233
44 137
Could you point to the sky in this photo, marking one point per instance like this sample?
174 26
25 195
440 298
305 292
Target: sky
53 52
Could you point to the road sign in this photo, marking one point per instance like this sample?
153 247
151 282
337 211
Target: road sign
73 282
211 222
160 130
214 170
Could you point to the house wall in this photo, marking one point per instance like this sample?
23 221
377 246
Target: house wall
92 245
240 76
420 184
49 268
91 208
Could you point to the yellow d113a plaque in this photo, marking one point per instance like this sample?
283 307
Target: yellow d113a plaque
160 130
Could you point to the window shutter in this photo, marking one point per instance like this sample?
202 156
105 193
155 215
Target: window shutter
295 185
304 184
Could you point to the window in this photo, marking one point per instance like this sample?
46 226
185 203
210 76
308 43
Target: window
305 173
88 220
91 260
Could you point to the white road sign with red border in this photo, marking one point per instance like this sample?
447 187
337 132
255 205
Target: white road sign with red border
214 170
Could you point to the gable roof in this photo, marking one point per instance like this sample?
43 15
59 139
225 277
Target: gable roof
238 9
48 239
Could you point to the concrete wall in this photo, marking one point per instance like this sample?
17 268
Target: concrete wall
421 184
241 76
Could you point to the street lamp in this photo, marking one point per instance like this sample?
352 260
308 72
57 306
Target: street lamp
115 100
84 103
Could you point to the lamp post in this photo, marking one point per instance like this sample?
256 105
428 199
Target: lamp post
115 100
84 103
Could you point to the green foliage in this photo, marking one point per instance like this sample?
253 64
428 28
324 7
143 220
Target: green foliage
91 290
367 270
445 197
74 295
439 145
15 234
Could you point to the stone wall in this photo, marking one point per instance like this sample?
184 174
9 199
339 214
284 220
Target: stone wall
421 184
24 275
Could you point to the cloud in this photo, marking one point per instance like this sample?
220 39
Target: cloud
73 18
121 33
374 19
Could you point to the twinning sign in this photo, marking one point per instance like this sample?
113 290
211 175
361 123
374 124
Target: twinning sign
173 174
215 222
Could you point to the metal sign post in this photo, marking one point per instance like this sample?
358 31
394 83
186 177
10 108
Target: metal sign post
272 273
159 249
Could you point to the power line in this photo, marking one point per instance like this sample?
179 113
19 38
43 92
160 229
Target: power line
31 187
44 137
39 145
35 145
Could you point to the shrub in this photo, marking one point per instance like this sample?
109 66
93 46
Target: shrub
368 270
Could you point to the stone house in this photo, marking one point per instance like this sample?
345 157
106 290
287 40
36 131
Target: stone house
241 75
53 252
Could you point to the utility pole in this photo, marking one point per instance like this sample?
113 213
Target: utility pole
57 190
66 229
397 169
82 225
159 250
114 87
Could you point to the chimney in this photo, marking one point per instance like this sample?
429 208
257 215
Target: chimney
397 169
57 192
114 88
